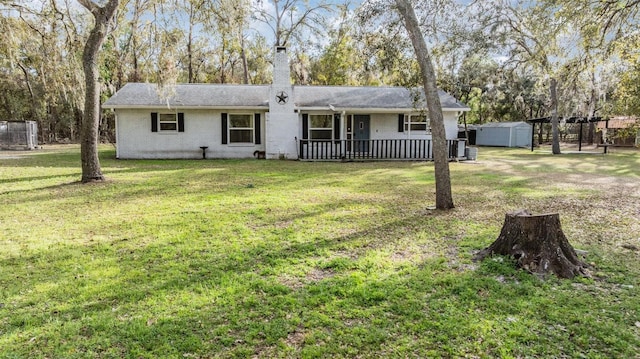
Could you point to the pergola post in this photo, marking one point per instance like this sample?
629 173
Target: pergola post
533 134
580 138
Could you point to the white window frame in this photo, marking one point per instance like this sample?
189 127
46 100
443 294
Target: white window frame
409 124
230 128
167 119
329 129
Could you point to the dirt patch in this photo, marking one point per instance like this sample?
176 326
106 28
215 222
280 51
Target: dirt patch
595 209
295 339
402 256
314 276
317 275
568 180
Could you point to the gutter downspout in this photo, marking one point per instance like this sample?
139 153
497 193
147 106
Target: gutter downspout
117 134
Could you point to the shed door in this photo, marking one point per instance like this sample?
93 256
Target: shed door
361 129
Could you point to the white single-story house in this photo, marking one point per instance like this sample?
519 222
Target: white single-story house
277 121
504 134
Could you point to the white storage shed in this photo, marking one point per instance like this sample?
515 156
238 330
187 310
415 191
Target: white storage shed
504 134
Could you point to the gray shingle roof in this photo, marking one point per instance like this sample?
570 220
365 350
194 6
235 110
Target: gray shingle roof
142 95
367 97
503 124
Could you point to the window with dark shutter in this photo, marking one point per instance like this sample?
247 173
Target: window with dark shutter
180 122
241 127
224 129
336 126
414 123
164 122
401 122
154 122
305 126
256 126
320 127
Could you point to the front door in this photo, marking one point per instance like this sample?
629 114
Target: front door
361 126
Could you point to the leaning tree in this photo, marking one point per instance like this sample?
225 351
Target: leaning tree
90 124
444 199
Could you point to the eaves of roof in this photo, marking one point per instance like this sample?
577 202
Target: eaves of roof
256 97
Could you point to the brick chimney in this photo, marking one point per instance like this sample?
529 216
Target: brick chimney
282 117
281 71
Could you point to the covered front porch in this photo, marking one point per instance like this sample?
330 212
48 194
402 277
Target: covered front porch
376 149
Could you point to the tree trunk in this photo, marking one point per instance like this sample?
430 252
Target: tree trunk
91 170
444 199
538 245
466 130
593 102
135 77
541 134
555 143
190 45
245 64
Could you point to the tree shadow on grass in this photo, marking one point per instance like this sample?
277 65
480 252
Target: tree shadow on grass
197 293
619 164
167 300
159 291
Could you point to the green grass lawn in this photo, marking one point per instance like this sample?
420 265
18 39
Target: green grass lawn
277 259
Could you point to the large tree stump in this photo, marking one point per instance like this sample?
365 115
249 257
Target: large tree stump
538 245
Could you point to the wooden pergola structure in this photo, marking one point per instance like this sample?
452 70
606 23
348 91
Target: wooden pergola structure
574 119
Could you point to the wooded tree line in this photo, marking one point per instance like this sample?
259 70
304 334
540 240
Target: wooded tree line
507 60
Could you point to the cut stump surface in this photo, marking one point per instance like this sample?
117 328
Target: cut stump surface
538 245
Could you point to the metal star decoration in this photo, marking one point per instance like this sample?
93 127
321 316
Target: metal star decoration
282 97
